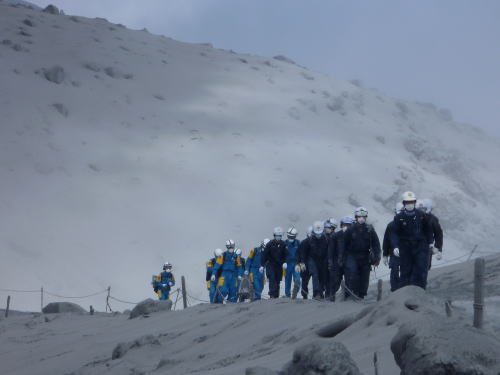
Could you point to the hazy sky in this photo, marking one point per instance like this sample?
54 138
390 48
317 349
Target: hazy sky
446 52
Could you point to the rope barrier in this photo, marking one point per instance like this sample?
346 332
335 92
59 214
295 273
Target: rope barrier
19 291
75 297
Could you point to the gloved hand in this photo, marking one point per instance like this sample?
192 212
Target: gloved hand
246 273
285 266
297 268
212 278
439 255
396 252
386 261
433 249
164 285
171 283
261 269
302 267
239 278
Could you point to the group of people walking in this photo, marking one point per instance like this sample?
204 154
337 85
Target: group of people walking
330 253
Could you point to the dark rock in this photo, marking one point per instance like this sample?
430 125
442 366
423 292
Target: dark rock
55 74
122 348
52 9
63 307
284 59
325 357
28 22
442 346
149 306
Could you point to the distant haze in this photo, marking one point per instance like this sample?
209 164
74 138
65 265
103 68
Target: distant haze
442 52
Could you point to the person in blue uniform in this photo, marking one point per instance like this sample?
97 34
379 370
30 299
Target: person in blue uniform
229 264
292 244
252 268
164 282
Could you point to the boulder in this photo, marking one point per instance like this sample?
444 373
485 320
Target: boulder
150 306
52 9
325 357
63 307
442 346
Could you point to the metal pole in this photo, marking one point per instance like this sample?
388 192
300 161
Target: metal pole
107 300
184 292
478 292
375 362
41 299
379 289
8 306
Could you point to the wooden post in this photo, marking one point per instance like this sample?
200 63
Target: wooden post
478 292
91 310
184 292
8 306
375 362
447 307
379 289
41 299
107 300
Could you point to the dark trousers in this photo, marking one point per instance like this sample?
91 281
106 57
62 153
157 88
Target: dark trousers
394 264
414 257
357 274
335 278
317 270
305 276
274 275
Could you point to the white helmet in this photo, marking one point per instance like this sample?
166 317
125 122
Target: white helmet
264 242
347 220
420 205
309 231
427 203
361 212
230 244
166 266
278 231
291 233
409 196
218 252
331 223
238 251
399 208
318 227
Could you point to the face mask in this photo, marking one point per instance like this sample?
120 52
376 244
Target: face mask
277 238
410 207
231 251
361 220
344 228
328 230
317 235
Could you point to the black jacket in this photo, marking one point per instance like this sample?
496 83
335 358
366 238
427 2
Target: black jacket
316 249
437 231
386 243
302 251
411 227
362 241
275 253
336 249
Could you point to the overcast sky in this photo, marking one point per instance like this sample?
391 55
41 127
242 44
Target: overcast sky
446 52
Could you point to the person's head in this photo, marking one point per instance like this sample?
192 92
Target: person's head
318 229
230 246
309 231
167 267
291 233
346 222
264 242
427 203
330 225
278 233
361 215
409 201
218 252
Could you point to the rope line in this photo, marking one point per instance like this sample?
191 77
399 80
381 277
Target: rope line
75 297
19 291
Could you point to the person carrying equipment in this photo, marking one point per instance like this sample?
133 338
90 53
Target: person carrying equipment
253 268
390 259
412 239
290 273
315 257
164 282
301 266
231 270
336 256
362 250
437 231
212 285
273 260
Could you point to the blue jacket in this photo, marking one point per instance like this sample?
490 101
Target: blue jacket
254 260
411 227
293 248
164 278
228 262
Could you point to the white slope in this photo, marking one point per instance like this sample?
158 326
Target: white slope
152 150
20 2
226 339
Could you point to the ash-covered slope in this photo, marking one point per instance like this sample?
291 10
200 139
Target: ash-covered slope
120 149
227 339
